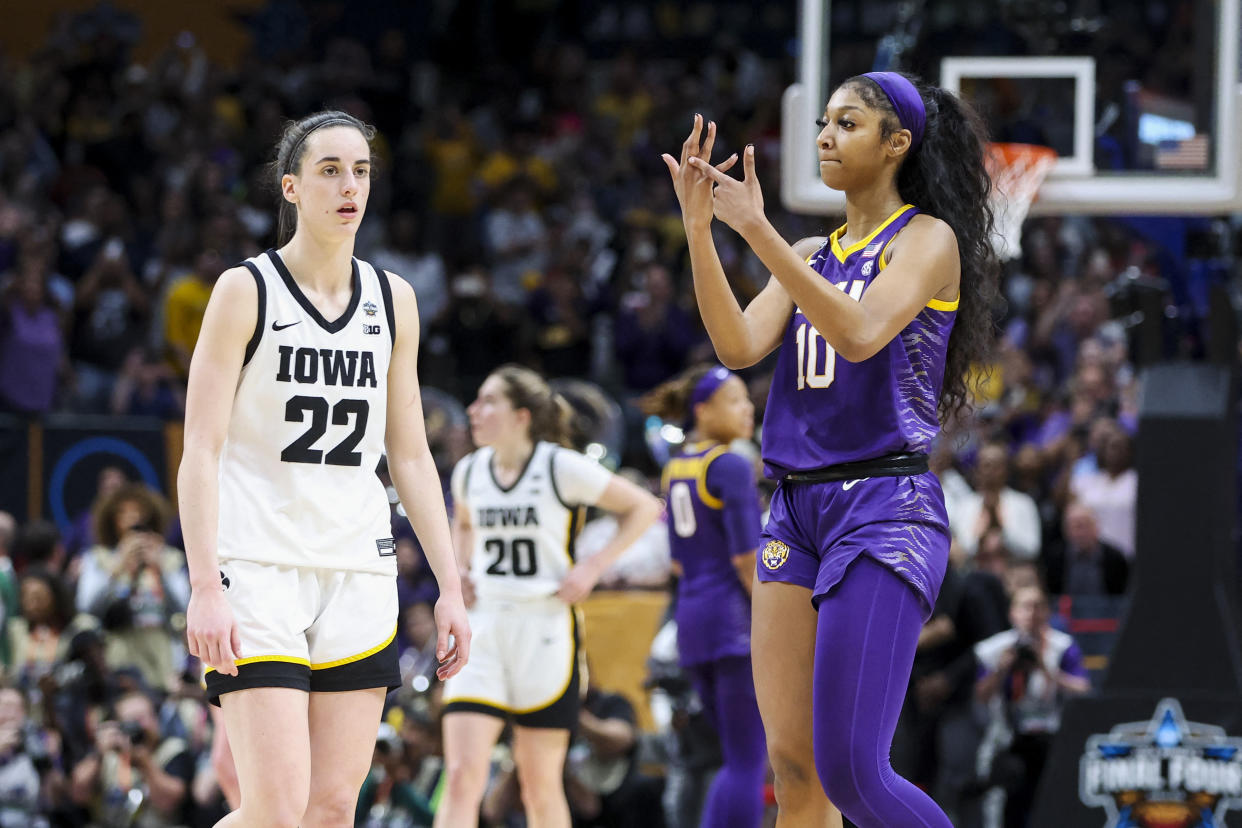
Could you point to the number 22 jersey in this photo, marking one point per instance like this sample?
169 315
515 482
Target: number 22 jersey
824 410
297 471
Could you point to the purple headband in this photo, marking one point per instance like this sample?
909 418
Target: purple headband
707 386
906 100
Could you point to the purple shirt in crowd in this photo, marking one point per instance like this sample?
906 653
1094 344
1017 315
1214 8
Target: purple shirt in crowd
714 510
30 351
823 410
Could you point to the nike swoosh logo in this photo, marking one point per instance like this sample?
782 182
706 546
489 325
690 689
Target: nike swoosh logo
849 484
278 327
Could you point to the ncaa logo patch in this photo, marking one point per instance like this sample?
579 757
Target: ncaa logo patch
370 308
775 553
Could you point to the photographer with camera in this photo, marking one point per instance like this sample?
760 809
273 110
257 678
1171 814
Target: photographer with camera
390 797
30 774
1025 675
133 777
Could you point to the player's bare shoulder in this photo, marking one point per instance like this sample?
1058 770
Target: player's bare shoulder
233 308
926 234
806 246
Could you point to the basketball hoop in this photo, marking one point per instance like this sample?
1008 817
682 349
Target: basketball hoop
1017 172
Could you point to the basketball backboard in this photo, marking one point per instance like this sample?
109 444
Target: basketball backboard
1141 101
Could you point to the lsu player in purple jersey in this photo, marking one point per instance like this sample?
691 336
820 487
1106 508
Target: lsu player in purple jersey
713 508
876 326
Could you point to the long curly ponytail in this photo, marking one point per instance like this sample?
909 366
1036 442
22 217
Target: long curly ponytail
946 177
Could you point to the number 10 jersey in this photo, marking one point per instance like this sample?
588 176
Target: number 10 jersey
297 471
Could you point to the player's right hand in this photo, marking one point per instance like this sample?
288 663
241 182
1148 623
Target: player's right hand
452 635
694 187
211 632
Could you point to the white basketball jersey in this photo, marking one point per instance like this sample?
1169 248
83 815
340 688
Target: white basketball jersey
297 472
524 534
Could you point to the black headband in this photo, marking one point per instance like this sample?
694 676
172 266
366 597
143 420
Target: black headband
336 120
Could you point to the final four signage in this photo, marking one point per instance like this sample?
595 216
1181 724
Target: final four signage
1163 773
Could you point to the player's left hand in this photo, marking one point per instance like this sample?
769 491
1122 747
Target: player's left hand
578 583
451 620
738 204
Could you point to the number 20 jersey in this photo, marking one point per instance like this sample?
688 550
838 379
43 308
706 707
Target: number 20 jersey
297 472
524 534
822 409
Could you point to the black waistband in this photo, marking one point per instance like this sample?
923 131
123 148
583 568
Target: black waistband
890 465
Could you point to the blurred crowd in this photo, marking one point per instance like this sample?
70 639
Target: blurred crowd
525 201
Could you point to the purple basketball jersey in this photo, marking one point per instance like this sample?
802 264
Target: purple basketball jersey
714 510
823 410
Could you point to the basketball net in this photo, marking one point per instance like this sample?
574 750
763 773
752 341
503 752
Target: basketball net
1017 172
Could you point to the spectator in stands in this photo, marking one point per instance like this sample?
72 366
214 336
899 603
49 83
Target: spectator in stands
135 770
134 583
603 783
148 387
110 315
8 583
993 505
406 253
388 796
1111 492
39 637
1025 675
418 646
1082 564
185 305
516 240
560 318
30 782
938 735
81 533
32 341
653 336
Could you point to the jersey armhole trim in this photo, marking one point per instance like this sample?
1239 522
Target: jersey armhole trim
941 305
261 318
465 480
709 499
386 292
556 490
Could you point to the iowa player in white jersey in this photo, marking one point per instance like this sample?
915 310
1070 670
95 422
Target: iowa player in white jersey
304 373
518 506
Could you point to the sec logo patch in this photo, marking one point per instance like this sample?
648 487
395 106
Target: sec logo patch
775 553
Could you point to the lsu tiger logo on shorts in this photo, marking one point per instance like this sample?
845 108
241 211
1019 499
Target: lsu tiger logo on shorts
775 553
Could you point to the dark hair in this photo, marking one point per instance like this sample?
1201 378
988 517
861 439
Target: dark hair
155 512
35 544
670 400
946 178
551 415
62 608
292 148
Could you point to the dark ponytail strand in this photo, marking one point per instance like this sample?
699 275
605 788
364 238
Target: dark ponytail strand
670 400
946 177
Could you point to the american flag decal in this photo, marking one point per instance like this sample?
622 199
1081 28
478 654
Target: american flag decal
1189 154
872 249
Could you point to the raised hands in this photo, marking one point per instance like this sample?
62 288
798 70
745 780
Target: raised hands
738 204
692 183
